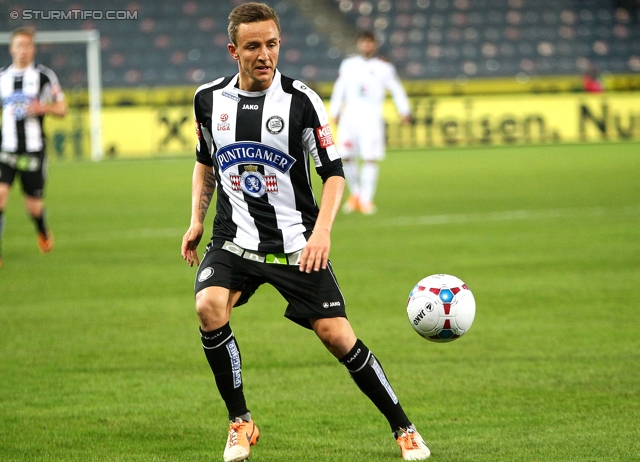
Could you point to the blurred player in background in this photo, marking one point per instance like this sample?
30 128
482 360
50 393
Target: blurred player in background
591 80
357 109
28 92
257 132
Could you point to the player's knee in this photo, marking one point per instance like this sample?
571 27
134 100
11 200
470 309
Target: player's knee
211 309
336 335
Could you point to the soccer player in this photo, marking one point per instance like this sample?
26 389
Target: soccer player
356 108
258 131
28 92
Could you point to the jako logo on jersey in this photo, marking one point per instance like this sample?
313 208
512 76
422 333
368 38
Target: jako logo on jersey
324 136
254 153
253 107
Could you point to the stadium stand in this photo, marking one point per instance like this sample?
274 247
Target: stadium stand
493 38
183 43
165 43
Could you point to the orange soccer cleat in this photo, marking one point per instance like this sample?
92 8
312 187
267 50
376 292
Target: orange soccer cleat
411 444
351 205
242 435
45 242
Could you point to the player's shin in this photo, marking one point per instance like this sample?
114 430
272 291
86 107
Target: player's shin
351 176
223 355
368 182
41 223
367 372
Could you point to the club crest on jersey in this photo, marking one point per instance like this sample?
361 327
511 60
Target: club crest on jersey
254 183
275 124
251 152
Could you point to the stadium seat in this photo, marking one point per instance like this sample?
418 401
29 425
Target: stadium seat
171 42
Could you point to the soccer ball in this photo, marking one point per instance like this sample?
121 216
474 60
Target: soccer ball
441 308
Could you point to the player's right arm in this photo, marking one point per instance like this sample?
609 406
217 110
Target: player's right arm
203 185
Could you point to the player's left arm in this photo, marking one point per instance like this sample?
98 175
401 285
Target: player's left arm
51 99
315 255
399 95
59 108
319 144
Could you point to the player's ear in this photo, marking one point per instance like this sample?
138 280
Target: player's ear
233 51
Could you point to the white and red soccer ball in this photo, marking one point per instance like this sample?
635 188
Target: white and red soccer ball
441 308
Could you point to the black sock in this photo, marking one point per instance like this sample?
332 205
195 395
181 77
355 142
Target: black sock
223 354
367 373
40 223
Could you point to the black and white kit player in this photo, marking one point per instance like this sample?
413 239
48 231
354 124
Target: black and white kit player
259 145
259 136
28 92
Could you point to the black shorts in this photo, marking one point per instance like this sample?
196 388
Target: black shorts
31 167
309 295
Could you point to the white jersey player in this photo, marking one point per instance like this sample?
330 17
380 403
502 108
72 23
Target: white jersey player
357 108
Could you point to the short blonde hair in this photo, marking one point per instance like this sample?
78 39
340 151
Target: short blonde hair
29 31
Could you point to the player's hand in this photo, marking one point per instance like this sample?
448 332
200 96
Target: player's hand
315 255
35 108
190 242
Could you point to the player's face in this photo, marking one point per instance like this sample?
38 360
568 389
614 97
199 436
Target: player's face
367 47
22 50
257 50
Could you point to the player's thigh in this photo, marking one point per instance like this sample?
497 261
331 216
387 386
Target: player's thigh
220 268
4 194
348 145
372 145
7 176
33 183
309 295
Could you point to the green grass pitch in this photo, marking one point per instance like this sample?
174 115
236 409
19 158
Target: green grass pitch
100 358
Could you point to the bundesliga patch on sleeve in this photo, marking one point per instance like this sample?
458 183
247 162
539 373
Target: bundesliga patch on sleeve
324 135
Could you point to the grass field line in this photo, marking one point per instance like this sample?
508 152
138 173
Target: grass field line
424 220
507 215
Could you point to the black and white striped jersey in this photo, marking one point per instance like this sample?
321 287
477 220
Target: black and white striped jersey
260 145
18 88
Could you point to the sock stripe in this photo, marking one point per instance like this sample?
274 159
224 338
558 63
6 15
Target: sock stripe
363 364
216 346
